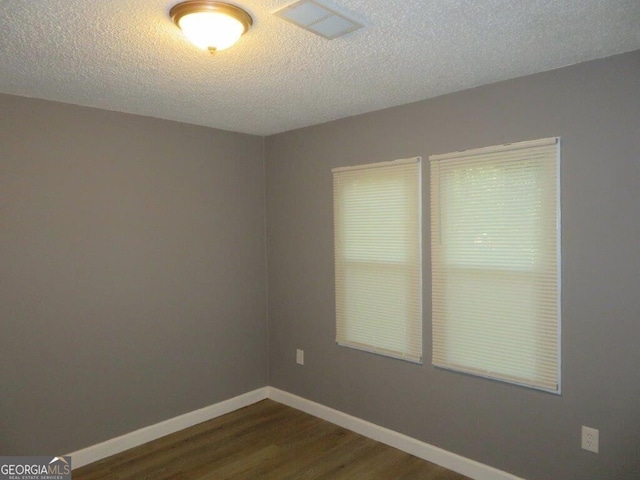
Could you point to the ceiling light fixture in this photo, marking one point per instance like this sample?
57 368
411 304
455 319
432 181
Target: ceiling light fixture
211 25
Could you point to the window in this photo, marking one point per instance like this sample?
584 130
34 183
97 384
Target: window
378 260
495 227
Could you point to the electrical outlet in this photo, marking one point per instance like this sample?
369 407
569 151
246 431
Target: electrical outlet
300 357
590 439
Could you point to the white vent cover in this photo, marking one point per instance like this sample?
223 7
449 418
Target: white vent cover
318 18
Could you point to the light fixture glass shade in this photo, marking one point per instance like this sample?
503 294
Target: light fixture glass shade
211 30
211 25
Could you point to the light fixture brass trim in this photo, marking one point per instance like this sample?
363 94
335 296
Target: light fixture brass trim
201 6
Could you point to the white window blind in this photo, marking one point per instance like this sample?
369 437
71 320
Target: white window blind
495 252
378 261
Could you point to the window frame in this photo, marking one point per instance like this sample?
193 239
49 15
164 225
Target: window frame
412 324
440 357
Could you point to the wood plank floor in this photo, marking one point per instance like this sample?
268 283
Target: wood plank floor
266 440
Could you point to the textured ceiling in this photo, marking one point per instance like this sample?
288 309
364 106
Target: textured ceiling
126 55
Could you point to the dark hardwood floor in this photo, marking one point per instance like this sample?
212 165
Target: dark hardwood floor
266 440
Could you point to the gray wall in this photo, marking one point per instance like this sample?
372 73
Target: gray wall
595 108
132 279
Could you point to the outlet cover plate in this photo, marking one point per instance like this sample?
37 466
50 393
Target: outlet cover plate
590 439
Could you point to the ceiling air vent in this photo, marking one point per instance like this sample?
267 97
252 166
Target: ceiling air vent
318 18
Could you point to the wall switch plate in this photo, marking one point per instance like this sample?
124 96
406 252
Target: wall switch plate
300 357
590 439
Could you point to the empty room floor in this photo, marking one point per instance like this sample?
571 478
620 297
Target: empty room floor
266 440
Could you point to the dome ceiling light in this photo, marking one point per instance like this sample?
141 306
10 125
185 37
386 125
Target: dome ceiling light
211 25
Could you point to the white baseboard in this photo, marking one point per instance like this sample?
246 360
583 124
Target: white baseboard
102 450
457 463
